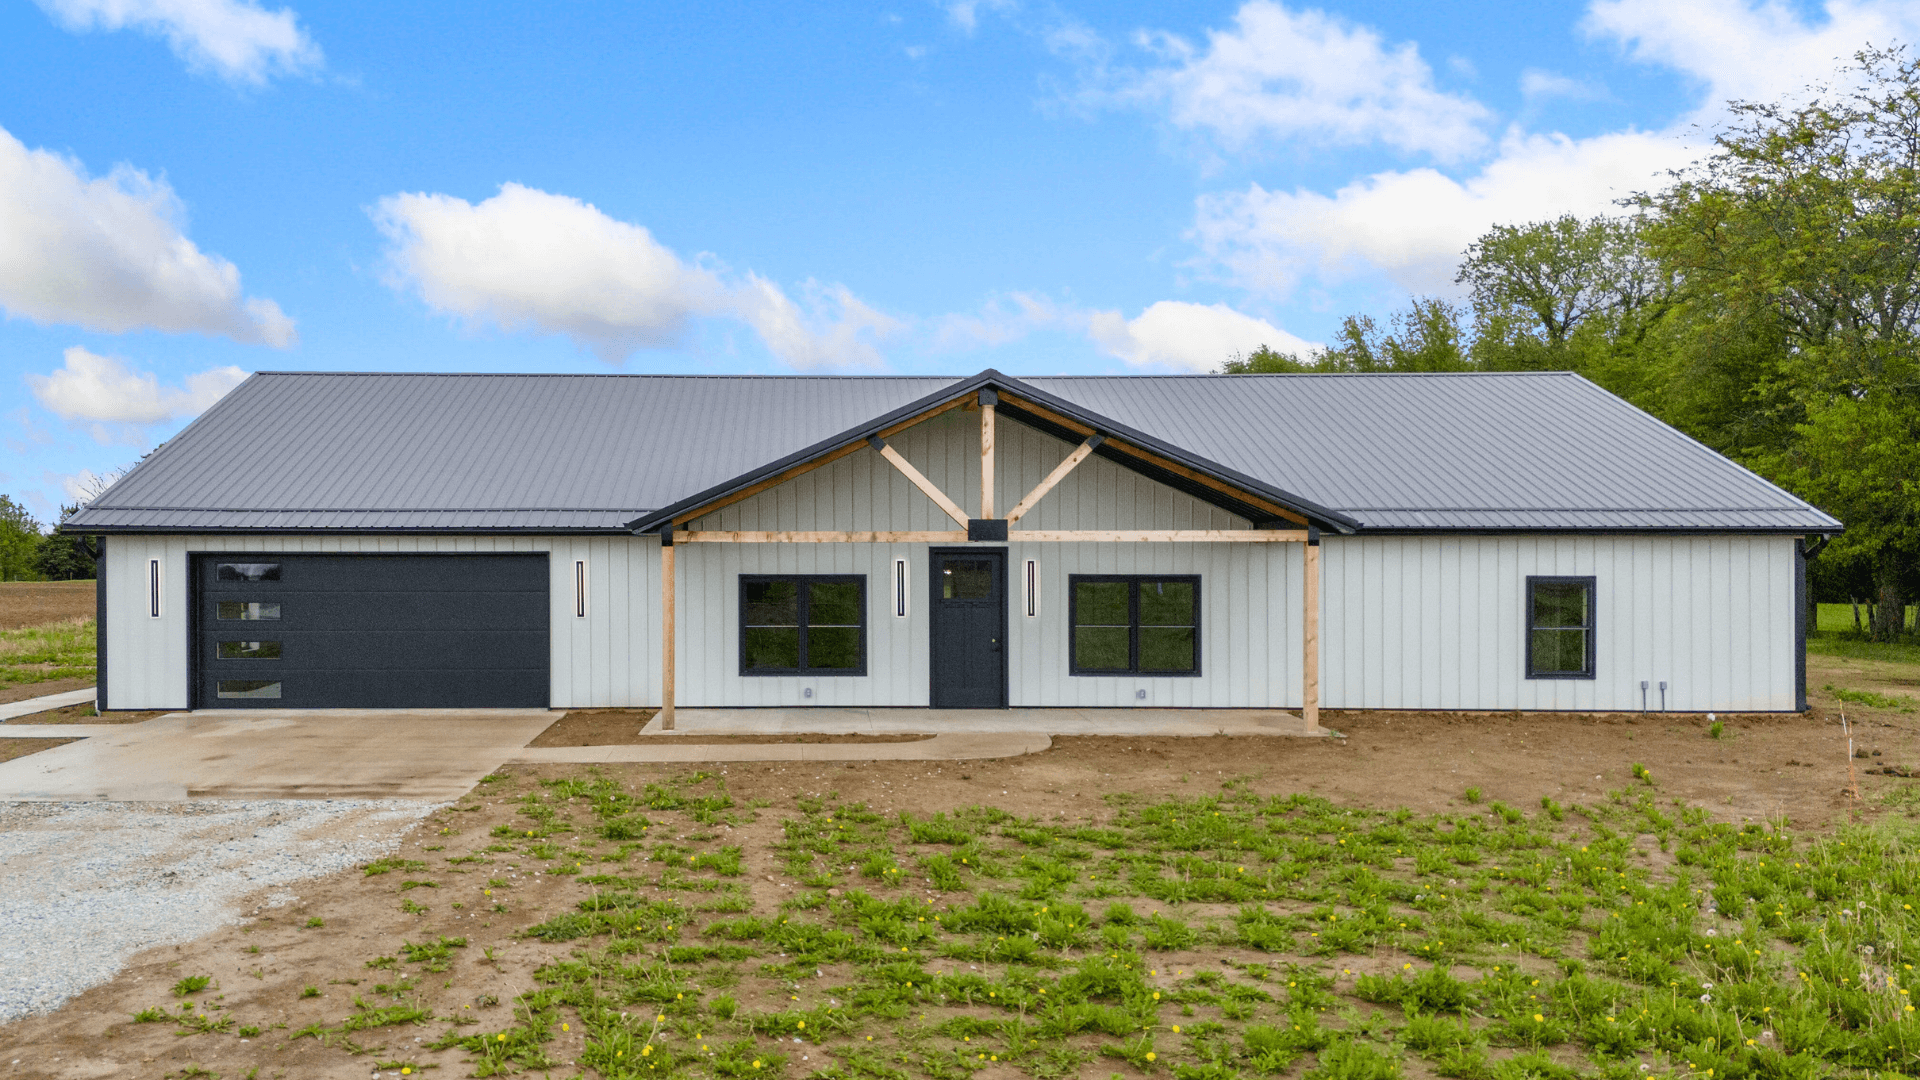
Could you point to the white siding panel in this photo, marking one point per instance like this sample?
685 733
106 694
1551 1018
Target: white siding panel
1410 626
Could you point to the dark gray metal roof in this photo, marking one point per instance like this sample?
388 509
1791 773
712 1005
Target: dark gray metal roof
559 453
1521 450
296 451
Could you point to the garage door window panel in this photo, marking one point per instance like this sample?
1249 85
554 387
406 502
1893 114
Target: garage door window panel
261 571
249 650
246 611
802 624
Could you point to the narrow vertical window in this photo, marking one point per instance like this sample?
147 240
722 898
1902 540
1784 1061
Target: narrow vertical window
580 589
1033 588
899 588
153 588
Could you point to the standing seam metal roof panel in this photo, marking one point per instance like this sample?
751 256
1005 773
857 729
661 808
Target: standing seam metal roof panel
1531 451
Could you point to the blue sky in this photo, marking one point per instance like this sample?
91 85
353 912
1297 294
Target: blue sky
195 189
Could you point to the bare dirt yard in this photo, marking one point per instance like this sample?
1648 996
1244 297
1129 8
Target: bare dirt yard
1195 908
36 603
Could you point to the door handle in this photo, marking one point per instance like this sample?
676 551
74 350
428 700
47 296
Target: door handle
996 644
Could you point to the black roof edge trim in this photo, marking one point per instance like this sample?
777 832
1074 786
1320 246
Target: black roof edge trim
337 530
992 379
1602 530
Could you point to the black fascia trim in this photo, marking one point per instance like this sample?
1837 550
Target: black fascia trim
1597 530
340 530
1592 628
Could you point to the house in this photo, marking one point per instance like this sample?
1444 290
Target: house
1403 541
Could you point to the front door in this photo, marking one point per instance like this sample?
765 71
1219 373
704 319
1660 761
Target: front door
969 628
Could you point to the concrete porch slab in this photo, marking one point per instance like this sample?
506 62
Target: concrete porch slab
434 754
667 748
1124 722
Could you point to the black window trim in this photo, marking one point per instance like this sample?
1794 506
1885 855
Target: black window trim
803 599
1133 670
1593 619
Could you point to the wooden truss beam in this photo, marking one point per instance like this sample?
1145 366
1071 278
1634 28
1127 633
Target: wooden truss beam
805 467
1059 473
1063 536
1173 467
926 486
1162 536
718 537
986 459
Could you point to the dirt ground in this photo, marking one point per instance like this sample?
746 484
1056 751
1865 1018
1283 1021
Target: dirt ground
19 748
1764 767
23 691
35 603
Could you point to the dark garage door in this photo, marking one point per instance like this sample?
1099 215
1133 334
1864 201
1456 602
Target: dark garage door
371 631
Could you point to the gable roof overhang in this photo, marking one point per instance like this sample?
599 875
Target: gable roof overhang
1022 403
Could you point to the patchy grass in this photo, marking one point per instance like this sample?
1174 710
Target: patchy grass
1220 936
1902 702
61 650
1854 648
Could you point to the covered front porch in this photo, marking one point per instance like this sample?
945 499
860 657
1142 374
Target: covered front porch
885 721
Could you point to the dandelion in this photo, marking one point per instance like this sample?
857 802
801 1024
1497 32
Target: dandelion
1151 1055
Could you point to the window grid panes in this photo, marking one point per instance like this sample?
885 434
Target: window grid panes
1560 628
803 624
1134 625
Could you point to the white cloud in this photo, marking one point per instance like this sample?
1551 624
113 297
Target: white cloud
529 259
1756 52
109 254
235 39
1279 73
1536 83
965 14
1193 337
1004 319
1413 225
117 401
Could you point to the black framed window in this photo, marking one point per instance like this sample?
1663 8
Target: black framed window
1560 627
1133 624
801 624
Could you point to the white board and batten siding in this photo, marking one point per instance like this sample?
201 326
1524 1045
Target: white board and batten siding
609 658
1408 622
1249 633
1413 622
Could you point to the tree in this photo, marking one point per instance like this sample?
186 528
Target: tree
62 556
1427 336
19 541
1805 224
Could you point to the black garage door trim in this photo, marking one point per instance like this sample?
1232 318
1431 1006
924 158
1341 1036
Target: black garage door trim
424 630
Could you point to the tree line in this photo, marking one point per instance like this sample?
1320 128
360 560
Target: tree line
1765 302
30 553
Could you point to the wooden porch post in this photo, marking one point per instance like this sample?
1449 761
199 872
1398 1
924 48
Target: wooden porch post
987 403
666 629
1310 637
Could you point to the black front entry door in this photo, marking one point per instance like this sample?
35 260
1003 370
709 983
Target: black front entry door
969 628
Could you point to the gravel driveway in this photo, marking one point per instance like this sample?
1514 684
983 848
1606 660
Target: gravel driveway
85 886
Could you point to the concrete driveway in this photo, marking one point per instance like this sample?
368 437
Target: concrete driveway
433 754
